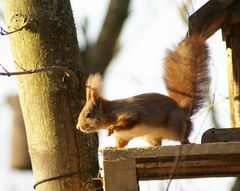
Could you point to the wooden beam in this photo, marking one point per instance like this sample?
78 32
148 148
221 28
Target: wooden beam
233 17
195 161
221 135
235 13
233 53
209 18
120 175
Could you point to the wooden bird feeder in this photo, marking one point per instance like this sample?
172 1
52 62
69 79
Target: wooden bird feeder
219 153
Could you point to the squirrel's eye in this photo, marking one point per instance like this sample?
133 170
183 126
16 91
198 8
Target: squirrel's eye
88 115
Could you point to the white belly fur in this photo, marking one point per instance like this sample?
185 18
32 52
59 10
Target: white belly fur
146 131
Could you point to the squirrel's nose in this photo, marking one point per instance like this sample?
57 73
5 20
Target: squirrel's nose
82 128
79 126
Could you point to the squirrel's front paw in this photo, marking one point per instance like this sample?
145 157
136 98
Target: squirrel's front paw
111 130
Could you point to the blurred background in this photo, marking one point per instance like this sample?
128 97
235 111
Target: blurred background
133 66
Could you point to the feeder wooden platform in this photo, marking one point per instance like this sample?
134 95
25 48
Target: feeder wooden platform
123 168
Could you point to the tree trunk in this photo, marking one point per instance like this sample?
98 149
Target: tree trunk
64 158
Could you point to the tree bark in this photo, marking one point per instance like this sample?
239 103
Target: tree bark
63 157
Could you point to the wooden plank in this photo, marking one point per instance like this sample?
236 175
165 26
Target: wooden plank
209 18
221 135
171 151
120 175
188 168
233 53
195 161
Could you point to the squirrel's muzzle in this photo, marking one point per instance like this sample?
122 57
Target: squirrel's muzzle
83 128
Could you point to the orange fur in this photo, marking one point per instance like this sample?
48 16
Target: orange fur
186 73
153 116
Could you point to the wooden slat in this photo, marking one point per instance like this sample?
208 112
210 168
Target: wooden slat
196 160
209 18
190 169
120 175
233 51
170 151
221 135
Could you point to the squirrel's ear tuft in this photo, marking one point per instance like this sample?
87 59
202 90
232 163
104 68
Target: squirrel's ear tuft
88 94
93 86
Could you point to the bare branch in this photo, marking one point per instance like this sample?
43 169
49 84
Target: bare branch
101 53
4 68
42 69
4 32
27 21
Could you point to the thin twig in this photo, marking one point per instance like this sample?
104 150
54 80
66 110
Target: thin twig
210 106
4 32
175 165
4 68
23 69
42 69
177 158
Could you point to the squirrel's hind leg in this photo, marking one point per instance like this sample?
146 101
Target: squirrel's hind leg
153 140
120 143
185 141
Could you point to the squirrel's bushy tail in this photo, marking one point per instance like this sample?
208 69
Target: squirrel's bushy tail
186 74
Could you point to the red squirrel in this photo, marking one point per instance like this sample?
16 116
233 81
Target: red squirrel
153 116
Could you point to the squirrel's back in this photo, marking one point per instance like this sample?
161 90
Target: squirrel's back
186 74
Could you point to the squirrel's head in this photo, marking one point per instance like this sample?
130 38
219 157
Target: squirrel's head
92 116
